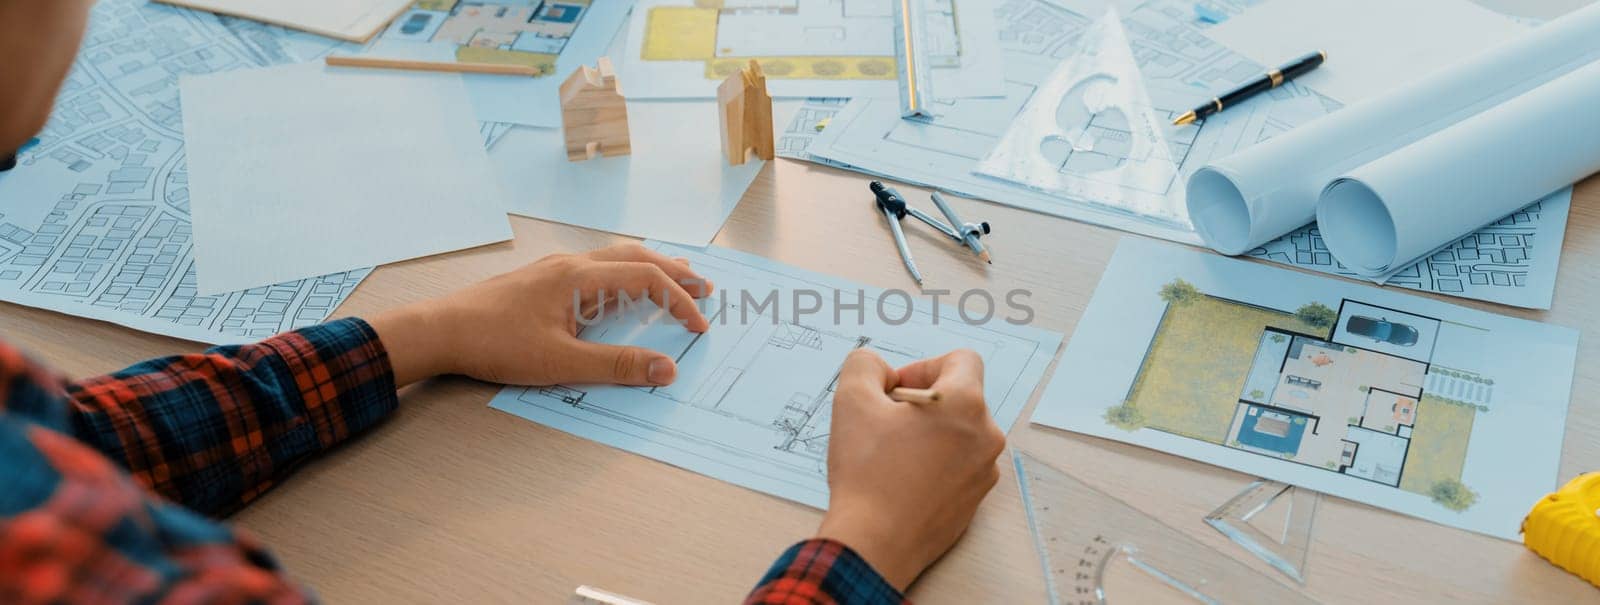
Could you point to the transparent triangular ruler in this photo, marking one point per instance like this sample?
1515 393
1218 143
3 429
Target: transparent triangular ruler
1273 521
1097 549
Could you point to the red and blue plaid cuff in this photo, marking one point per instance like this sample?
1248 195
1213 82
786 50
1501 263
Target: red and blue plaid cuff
822 571
215 430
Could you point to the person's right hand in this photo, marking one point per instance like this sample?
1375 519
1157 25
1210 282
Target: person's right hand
905 479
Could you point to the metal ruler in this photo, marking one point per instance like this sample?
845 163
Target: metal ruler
911 54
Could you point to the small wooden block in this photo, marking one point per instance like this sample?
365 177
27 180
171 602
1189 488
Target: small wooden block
594 115
745 115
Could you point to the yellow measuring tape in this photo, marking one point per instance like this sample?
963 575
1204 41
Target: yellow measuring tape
1564 527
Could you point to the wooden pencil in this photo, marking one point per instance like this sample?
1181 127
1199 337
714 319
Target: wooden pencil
916 396
470 68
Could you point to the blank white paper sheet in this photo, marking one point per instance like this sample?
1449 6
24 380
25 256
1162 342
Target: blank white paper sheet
305 170
349 20
1372 45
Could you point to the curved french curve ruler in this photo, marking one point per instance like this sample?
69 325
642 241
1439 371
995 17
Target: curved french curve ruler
1090 133
1097 549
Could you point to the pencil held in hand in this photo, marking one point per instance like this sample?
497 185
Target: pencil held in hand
916 396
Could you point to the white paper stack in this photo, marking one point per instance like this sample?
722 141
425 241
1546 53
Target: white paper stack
1394 178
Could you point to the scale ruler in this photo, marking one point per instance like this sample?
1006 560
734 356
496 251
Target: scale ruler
911 65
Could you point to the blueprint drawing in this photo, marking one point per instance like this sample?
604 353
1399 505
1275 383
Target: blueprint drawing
835 48
753 398
551 36
1500 263
95 220
1180 64
809 121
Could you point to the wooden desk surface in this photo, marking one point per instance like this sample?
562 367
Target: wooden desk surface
452 501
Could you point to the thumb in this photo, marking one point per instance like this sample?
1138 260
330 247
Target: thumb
633 366
864 379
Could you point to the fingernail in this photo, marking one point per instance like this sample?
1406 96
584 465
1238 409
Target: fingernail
660 372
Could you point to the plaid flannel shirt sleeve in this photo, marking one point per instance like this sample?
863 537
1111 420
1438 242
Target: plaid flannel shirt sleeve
80 463
213 431
822 571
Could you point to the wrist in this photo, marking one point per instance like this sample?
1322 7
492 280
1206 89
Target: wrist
417 339
875 541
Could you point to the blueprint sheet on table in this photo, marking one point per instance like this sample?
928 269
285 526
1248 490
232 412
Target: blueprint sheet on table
753 398
553 37
840 48
1036 35
95 220
1406 403
1180 64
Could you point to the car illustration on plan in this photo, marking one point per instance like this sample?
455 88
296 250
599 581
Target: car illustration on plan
1382 330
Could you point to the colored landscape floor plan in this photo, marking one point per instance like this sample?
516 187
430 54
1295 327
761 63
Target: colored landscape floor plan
530 33
1351 391
1331 405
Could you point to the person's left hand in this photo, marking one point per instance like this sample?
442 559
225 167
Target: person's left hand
521 327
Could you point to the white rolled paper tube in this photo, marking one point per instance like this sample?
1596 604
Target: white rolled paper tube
1256 195
1396 209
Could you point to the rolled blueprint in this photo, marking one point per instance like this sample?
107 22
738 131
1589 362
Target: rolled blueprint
1387 213
1252 197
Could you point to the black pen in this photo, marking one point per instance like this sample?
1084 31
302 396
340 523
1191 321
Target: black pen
1266 82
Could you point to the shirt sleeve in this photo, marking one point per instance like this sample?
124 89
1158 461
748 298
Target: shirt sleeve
213 431
822 571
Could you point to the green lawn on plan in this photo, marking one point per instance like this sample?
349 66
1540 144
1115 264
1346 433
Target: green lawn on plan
1438 444
1201 355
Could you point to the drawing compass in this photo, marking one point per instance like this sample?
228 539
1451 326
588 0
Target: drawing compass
895 208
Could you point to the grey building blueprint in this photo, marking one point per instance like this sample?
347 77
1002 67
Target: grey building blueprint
1180 65
95 220
809 121
753 400
1177 62
1512 262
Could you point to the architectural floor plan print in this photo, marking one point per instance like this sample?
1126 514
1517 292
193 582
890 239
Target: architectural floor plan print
1180 65
684 48
1176 61
95 220
1437 411
554 37
530 33
753 398
1500 263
